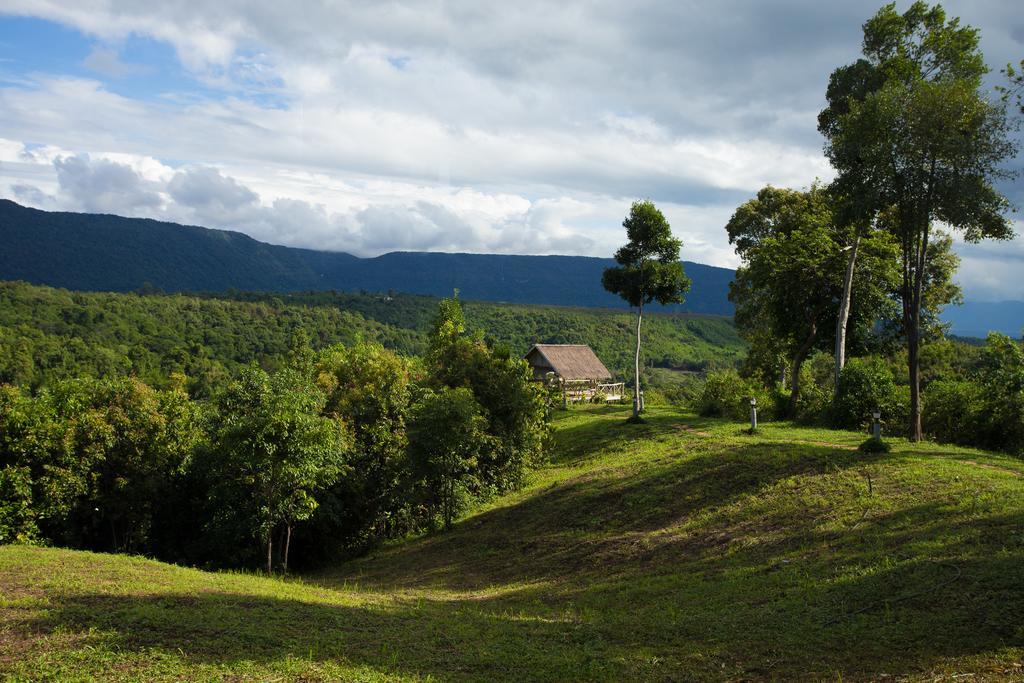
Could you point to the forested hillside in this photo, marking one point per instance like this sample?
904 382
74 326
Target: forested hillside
47 333
111 253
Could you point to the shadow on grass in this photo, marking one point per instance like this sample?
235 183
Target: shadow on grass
570 526
425 638
810 574
743 614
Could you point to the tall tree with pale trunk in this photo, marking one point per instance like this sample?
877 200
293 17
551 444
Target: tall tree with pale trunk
910 131
787 287
649 270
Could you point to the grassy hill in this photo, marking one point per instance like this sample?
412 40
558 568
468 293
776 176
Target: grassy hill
680 549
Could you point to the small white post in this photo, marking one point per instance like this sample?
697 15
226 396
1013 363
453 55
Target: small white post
876 425
753 414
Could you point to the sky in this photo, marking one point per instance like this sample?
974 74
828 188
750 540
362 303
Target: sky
490 127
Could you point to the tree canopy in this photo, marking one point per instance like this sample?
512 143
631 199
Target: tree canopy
910 132
277 452
788 288
649 270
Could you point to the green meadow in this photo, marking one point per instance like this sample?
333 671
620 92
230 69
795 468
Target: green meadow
679 549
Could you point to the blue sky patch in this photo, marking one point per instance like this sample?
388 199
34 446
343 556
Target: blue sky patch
137 67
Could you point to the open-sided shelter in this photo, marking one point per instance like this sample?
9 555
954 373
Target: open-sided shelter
576 368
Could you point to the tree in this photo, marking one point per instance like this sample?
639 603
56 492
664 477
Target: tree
1002 376
96 458
276 451
147 437
1015 89
511 402
41 474
367 386
789 286
909 131
447 431
649 270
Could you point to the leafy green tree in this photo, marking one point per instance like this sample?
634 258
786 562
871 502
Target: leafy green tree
909 131
447 329
512 403
17 515
276 451
44 475
446 432
649 270
97 457
368 387
1001 374
1014 90
137 438
792 274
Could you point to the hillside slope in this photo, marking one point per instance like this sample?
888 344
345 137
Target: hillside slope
680 549
110 253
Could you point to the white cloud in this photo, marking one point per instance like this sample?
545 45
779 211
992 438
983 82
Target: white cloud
108 62
104 186
991 270
522 127
207 189
11 150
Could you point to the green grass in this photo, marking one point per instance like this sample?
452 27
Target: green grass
680 549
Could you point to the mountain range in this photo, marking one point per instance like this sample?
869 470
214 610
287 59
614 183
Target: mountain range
100 252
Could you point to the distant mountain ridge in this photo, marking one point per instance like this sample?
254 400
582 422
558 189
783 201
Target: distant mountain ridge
111 253
978 318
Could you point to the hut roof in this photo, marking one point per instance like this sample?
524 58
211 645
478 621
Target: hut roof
571 361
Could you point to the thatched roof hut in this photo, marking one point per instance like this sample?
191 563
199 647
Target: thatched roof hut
568 361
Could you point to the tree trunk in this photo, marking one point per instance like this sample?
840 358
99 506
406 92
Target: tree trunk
287 546
449 502
637 400
913 365
916 433
270 551
844 311
798 361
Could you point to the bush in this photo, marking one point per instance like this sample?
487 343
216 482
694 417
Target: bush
817 385
874 445
1001 377
953 411
672 387
17 518
867 385
814 403
726 394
